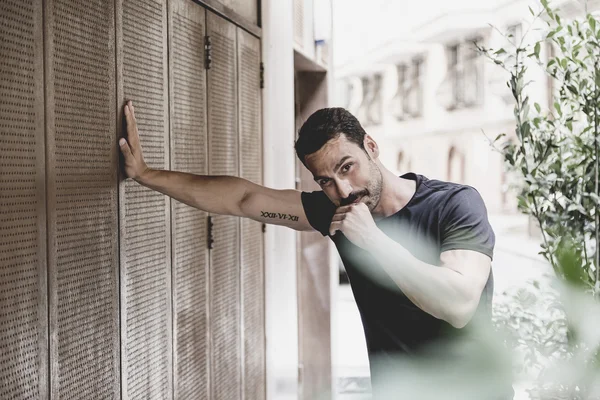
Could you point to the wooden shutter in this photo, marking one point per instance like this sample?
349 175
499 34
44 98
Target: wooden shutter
82 199
146 341
23 287
188 154
253 291
225 266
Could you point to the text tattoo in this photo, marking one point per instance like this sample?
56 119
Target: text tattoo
278 216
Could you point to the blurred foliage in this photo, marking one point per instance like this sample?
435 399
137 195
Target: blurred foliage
534 323
553 330
555 153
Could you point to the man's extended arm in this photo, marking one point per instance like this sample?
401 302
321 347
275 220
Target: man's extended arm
225 195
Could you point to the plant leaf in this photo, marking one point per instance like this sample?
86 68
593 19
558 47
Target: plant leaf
592 22
525 130
557 107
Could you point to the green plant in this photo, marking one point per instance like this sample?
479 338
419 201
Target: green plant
556 151
555 155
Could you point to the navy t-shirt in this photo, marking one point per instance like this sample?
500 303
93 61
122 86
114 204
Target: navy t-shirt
440 216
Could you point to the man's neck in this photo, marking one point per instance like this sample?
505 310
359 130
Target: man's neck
396 192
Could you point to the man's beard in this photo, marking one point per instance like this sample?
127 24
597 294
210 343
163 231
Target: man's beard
372 192
375 186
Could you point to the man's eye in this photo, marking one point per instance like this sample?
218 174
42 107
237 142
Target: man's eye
346 167
323 182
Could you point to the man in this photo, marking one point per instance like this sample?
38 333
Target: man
417 251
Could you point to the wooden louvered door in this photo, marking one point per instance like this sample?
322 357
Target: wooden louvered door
23 285
188 154
225 296
82 199
145 237
109 289
252 267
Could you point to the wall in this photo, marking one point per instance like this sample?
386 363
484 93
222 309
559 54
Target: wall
110 290
280 242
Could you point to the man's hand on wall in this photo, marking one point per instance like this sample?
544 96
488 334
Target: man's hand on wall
135 166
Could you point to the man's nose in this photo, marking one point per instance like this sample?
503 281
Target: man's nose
344 190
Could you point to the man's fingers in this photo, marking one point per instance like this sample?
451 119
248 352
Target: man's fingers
130 103
129 118
335 226
338 217
344 209
132 132
125 148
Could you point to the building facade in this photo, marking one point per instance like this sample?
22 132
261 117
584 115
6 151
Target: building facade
433 103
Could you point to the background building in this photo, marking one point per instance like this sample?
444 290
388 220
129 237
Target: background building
429 99
411 75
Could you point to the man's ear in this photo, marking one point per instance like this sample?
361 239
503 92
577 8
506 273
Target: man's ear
371 147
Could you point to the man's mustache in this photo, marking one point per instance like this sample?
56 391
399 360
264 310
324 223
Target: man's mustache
352 197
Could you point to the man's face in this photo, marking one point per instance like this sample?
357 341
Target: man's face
346 173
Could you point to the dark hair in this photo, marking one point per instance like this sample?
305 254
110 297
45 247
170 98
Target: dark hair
327 124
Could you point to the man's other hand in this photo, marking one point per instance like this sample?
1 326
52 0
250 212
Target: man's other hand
356 223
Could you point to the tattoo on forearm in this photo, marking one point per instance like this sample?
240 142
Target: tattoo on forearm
278 216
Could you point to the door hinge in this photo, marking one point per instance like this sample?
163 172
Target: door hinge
210 240
262 75
264 228
207 52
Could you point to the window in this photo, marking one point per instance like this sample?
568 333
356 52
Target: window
456 166
515 33
408 100
400 97
402 164
414 97
362 111
370 112
343 93
455 76
472 72
464 76
349 94
374 115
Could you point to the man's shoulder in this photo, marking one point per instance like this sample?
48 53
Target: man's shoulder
445 190
445 197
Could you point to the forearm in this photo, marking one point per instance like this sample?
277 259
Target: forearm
216 194
438 291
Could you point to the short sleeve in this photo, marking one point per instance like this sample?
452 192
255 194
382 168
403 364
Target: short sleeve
465 225
319 210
